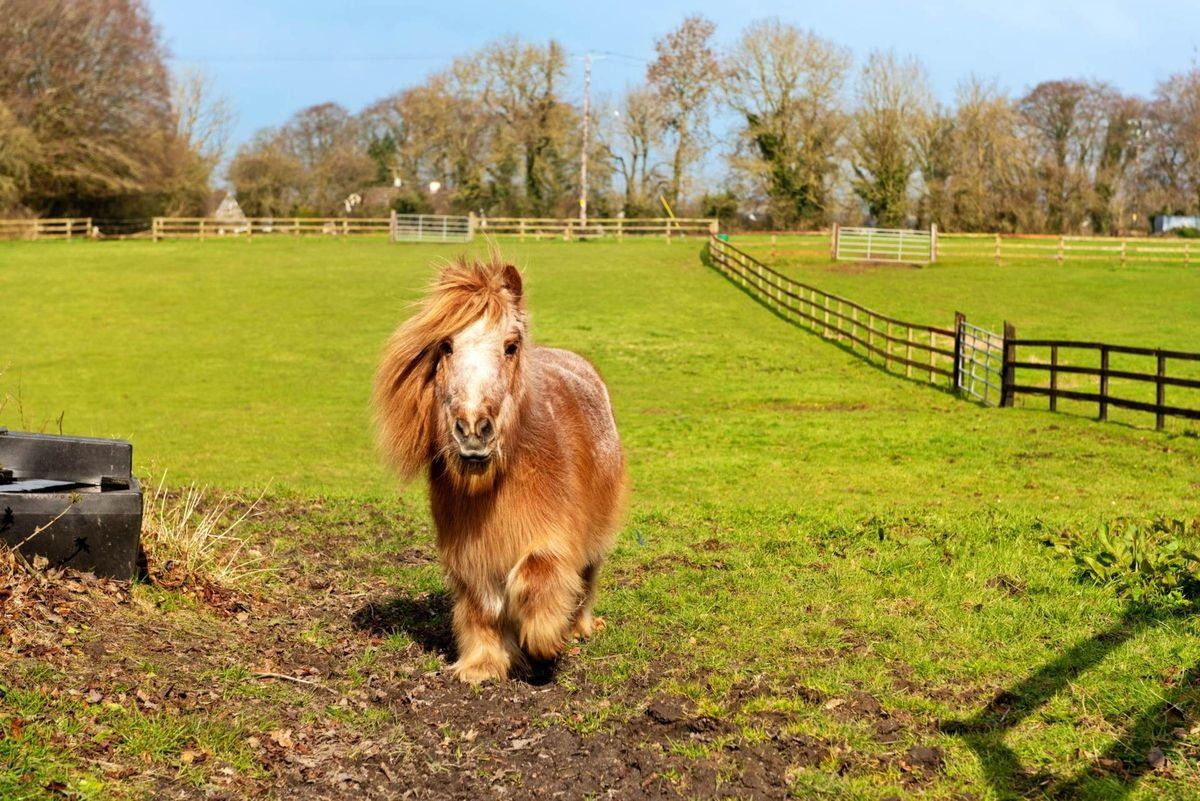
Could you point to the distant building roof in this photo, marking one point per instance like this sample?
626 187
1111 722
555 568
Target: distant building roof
229 210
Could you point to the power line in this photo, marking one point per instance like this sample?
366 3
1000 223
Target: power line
300 59
329 59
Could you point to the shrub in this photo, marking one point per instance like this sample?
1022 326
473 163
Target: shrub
1187 232
1152 562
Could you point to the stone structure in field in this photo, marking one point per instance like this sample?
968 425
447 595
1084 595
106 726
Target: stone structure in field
229 211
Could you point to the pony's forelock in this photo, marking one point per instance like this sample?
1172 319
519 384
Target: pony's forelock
463 292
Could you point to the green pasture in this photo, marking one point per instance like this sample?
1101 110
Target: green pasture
873 534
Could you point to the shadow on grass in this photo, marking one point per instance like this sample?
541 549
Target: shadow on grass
845 347
1115 773
426 618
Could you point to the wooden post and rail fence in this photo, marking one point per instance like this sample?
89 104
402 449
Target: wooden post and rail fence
926 351
970 360
35 228
398 227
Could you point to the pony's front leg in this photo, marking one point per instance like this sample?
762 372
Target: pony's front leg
484 651
543 595
586 624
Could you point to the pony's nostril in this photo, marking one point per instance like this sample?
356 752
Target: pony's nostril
485 429
460 427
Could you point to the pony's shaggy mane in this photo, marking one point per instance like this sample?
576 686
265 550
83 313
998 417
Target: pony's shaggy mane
464 291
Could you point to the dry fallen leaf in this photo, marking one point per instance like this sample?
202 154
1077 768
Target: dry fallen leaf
282 738
191 757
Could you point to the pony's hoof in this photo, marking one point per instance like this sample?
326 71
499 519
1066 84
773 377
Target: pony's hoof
588 626
477 672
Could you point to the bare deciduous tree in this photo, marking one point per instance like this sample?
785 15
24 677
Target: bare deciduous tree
521 86
991 166
786 84
633 149
19 150
933 152
202 125
1172 140
893 97
268 179
87 78
684 75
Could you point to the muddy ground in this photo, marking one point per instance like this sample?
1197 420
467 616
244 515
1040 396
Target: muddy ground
332 684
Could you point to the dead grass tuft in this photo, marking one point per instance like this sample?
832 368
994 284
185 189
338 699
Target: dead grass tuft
193 539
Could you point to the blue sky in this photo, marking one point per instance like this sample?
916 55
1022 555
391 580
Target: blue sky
272 58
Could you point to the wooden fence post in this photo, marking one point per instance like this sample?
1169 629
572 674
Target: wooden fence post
887 347
1007 370
932 359
1103 383
959 319
833 242
1122 252
1062 244
908 352
933 243
1160 391
1054 378
997 248
392 223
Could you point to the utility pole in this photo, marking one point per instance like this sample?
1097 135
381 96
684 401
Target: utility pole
583 151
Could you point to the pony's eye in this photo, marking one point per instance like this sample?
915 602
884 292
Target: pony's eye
446 348
510 349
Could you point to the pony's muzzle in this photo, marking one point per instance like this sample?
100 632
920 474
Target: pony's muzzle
474 437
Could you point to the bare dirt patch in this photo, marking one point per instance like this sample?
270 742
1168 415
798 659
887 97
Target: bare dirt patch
326 682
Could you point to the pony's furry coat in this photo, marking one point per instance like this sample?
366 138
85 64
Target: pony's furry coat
522 536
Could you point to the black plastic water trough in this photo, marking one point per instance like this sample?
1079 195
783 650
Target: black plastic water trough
80 491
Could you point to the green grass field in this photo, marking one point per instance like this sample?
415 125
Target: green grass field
799 517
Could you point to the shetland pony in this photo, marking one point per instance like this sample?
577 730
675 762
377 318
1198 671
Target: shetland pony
526 474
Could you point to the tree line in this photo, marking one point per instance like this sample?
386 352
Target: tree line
781 129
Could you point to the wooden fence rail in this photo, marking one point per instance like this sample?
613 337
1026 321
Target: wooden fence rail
596 227
945 355
1008 248
208 228
46 228
1104 396
520 227
1000 248
841 319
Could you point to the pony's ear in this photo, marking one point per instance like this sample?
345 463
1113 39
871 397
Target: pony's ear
513 282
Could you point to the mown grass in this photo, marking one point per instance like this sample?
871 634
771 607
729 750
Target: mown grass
864 525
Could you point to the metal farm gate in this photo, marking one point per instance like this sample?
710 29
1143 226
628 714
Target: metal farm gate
431 228
980 362
898 245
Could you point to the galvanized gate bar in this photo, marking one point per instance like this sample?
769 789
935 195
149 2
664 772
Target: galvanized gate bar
980 363
430 228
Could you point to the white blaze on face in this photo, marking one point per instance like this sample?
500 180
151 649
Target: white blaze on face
478 355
